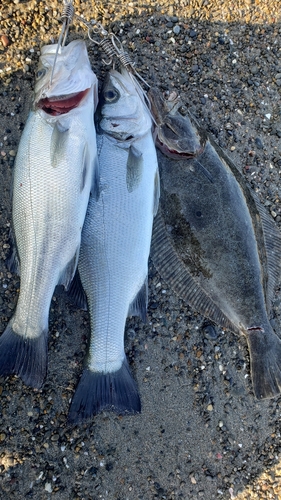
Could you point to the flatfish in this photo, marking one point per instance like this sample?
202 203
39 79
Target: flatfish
218 249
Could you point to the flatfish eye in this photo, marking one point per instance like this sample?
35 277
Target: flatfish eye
169 133
183 110
40 73
111 95
198 214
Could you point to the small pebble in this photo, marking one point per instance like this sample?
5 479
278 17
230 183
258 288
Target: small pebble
176 30
5 40
48 487
259 143
210 332
192 33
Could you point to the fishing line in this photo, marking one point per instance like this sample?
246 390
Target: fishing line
109 44
67 18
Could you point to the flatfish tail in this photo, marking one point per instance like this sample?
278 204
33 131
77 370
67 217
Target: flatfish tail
27 358
265 358
174 272
98 391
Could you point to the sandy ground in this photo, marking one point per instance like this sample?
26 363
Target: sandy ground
201 433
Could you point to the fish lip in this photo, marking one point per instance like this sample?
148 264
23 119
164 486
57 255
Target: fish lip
176 154
61 104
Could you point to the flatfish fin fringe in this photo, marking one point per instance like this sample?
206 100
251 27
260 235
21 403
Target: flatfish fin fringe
24 357
98 391
265 358
173 271
271 234
272 243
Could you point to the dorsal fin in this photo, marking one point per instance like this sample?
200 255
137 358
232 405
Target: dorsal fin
272 243
174 272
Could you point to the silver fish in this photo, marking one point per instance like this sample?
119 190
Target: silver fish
116 237
54 172
219 250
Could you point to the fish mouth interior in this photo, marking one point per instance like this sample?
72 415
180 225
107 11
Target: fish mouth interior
60 105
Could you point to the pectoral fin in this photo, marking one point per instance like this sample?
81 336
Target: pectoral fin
156 192
95 190
134 168
58 143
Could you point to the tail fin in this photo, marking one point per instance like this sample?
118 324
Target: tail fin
24 357
265 356
97 391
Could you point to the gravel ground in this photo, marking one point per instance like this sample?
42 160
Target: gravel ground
201 434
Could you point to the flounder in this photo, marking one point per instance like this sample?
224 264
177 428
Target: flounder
216 246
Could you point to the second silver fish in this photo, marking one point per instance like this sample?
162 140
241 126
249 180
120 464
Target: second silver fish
115 246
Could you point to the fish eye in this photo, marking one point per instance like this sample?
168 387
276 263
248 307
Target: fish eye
40 73
111 95
183 110
169 132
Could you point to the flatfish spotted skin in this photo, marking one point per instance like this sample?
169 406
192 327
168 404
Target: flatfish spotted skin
216 247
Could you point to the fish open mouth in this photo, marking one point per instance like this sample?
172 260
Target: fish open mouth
60 105
173 153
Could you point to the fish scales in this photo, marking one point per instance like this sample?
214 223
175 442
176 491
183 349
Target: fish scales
116 237
121 224
45 207
54 173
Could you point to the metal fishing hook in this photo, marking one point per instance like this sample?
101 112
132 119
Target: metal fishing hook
67 18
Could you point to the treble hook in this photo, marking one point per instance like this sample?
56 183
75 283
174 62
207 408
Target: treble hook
67 18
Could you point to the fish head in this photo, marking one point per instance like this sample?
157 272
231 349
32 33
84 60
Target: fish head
122 112
71 81
177 134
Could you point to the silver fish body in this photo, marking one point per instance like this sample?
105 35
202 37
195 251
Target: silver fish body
54 173
116 238
221 253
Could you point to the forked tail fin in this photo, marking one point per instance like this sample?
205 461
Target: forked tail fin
97 391
265 356
27 358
